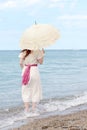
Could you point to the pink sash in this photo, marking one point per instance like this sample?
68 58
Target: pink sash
26 75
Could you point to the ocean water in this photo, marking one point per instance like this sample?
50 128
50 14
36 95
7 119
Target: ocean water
64 82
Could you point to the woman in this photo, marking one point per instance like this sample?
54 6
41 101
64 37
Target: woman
31 84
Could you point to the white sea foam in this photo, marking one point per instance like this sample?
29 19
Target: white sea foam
6 122
10 121
62 105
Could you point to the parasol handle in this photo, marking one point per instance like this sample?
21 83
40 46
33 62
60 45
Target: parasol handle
43 50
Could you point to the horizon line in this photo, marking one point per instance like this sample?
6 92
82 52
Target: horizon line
45 49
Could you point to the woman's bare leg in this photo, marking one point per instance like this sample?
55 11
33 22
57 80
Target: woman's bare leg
34 104
26 104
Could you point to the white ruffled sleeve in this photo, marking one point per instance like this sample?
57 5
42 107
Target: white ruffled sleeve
40 54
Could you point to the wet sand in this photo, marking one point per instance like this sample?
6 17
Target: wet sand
73 121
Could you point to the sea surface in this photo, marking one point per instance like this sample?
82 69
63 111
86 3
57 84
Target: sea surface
64 83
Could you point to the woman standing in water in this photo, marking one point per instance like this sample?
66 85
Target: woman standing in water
31 84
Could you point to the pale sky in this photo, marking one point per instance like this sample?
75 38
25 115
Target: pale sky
69 16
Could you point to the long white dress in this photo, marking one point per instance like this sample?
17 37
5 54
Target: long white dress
32 92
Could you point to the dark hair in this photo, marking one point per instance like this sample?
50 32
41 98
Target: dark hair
27 52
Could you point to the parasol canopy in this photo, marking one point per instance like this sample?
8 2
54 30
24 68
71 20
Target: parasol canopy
39 36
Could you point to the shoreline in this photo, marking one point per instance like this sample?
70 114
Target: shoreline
75 119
